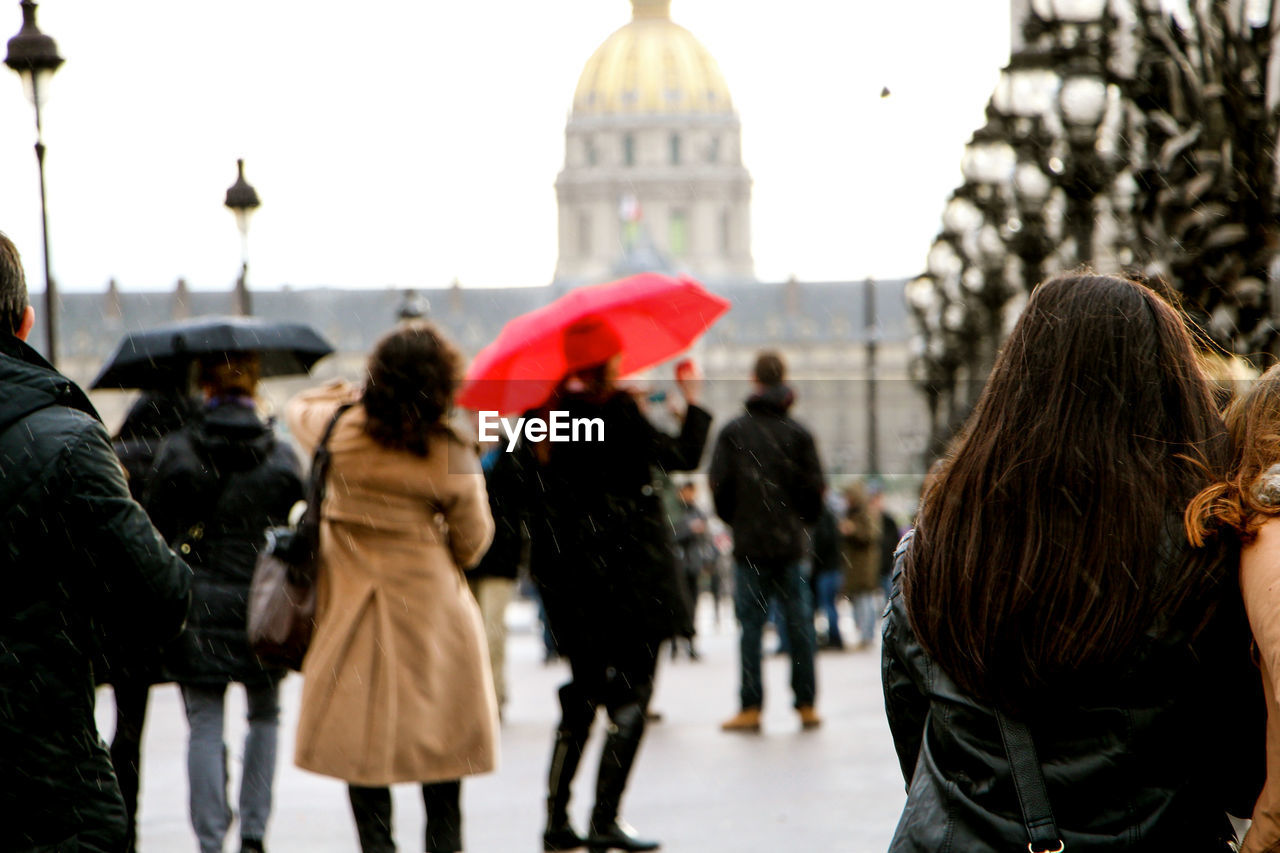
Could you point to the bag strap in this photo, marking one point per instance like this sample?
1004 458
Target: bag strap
319 474
1028 780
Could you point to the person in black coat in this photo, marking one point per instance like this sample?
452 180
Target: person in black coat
131 670
767 485
82 561
217 485
604 562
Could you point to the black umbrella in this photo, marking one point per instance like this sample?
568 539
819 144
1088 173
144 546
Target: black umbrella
160 357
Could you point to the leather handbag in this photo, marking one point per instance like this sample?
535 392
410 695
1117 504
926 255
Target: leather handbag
282 595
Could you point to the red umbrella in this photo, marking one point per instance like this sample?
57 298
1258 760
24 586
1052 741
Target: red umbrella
654 316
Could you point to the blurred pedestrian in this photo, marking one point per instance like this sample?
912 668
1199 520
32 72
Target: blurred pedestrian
83 562
1062 668
493 580
828 575
860 535
397 686
890 532
695 552
217 484
129 669
604 561
767 484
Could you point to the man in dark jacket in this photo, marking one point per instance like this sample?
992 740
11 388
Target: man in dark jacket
81 560
767 485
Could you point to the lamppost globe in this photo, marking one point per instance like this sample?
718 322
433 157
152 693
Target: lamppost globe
988 162
1032 90
34 56
961 216
1031 185
943 262
922 293
243 200
1082 101
1078 11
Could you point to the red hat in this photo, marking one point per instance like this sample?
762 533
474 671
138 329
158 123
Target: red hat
588 342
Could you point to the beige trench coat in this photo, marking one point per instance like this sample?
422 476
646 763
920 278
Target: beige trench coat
397 685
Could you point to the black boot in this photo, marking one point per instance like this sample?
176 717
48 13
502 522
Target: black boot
571 738
607 831
565 755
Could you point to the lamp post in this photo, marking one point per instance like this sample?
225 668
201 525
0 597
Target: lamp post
34 56
243 201
1082 102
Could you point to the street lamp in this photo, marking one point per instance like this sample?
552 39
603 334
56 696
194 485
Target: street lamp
34 56
1082 103
243 201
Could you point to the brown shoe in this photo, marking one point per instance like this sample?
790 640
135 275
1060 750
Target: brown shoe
809 718
746 720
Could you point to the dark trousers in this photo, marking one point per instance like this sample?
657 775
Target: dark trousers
613 675
126 747
754 588
372 810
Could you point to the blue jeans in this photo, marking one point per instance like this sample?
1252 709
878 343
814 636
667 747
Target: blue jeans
828 584
866 612
754 587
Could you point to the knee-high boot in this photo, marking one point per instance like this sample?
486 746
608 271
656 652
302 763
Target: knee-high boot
607 831
566 753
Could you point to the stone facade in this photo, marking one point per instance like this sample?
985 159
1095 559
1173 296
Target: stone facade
653 159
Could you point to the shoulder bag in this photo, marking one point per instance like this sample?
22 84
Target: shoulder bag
282 595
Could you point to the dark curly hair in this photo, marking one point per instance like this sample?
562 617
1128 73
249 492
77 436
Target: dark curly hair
413 374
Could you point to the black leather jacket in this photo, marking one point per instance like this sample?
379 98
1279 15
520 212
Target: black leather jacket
1152 757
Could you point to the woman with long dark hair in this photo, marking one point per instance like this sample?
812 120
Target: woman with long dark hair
1245 506
603 558
397 685
1061 666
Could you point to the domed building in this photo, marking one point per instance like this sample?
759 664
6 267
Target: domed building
653 175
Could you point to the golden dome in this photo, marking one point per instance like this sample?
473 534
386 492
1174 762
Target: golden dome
652 65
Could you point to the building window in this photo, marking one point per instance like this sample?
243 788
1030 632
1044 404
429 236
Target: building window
592 156
628 150
678 233
675 149
726 231
584 234
713 150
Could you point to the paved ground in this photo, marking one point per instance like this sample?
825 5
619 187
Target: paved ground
836 790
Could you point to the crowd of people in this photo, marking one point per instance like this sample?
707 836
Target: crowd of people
1067 641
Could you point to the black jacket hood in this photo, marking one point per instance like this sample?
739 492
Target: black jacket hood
775 400
232 437
31 384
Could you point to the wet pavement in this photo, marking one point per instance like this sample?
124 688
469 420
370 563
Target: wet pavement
836 789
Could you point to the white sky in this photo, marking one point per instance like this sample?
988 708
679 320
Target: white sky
408 143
